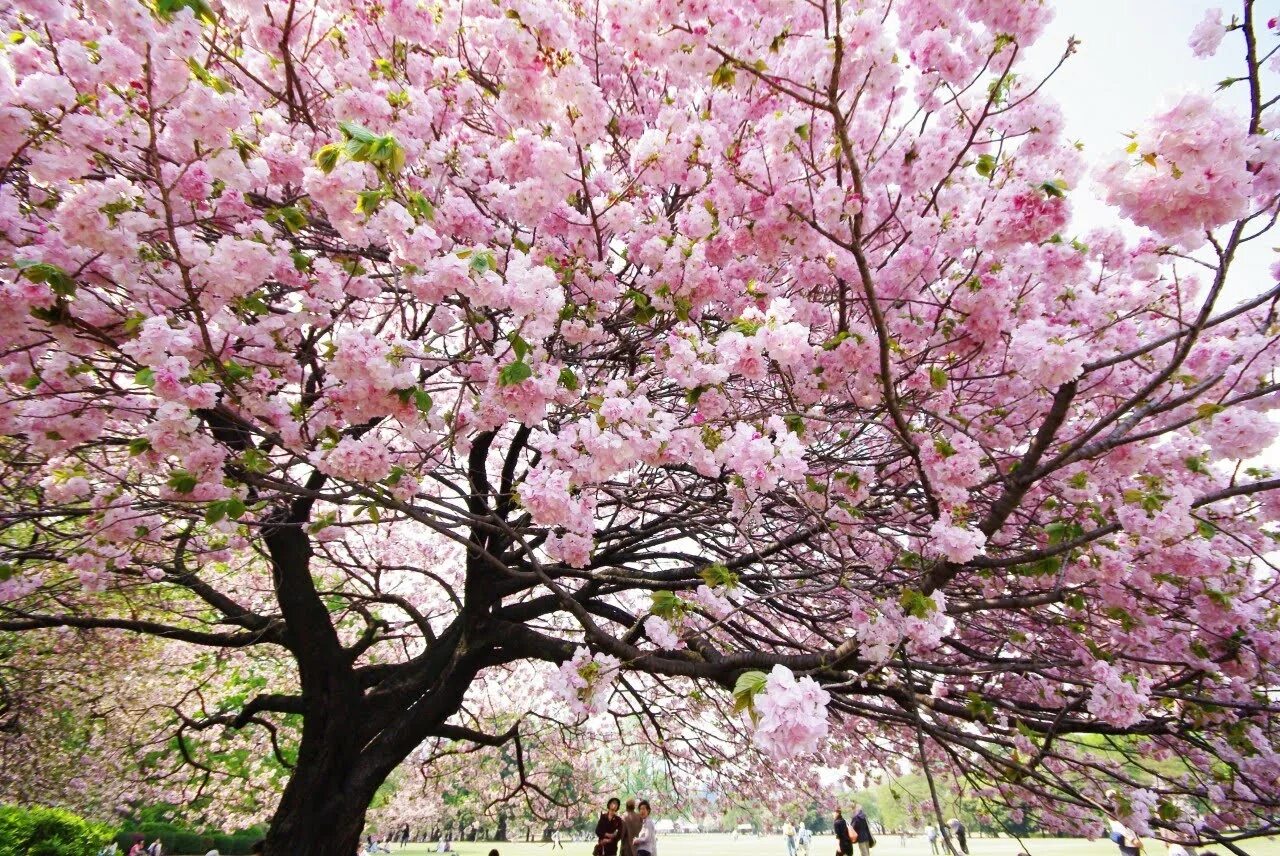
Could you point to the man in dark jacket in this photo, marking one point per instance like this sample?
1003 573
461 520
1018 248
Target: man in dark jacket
843 842
862 831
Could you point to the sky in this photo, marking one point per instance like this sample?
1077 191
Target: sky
1132 62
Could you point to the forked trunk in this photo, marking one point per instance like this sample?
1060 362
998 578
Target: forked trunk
321 812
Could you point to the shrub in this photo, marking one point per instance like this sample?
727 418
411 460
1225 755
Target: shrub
39 831
177 839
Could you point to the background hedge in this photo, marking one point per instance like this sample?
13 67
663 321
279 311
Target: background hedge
38 831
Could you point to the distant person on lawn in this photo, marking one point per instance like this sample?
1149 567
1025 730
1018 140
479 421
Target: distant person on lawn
789 837
844 844
961 834
609 829
646 841
862 831
631 823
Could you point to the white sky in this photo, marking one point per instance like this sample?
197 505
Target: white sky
1133 61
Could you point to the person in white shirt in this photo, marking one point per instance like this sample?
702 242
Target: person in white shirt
646 843
789 836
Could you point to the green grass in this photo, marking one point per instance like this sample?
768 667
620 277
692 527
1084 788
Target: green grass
824 845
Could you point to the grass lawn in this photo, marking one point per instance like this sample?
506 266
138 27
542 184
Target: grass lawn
824 845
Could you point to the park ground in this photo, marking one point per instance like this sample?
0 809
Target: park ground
824 845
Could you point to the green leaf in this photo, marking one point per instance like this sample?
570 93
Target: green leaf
518 345
795 423
215 511
166 9
235 371
57 279
483 262
423 400
420 207
937 378
368 201
293 218
139 445
1041 568
183 481
255 304
359 133
980 707
327 157
986 166
568 379
1063 530
916 604
1209 410
943 447
145 377
724 75
255 461
514 373
1053 189
644 311
208 78
745 690
133 322
717 575
666 604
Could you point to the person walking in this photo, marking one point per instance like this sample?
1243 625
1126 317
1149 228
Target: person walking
961 834
844 844
646 840
804 837
631 823
931 833
789 837
608 830
556 843
862 831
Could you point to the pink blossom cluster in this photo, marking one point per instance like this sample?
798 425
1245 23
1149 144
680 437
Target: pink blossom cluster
791 715
1115 700
1187 172
662 633
584 682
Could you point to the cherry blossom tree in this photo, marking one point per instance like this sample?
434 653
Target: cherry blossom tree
733 369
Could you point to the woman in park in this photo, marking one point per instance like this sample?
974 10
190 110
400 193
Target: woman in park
646 843
609 830
844 844
862 831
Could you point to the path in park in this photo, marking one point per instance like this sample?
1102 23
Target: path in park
824 845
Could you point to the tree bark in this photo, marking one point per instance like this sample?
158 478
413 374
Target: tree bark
317 818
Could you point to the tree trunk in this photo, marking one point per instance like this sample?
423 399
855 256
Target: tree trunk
316 824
